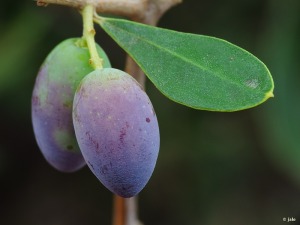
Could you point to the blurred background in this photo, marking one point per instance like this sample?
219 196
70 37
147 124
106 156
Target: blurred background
213 168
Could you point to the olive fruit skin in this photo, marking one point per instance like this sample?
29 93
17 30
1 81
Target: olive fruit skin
117 130
52 100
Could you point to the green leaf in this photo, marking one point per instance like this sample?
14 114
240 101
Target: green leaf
197 71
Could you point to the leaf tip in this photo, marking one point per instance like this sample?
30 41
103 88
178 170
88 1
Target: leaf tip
270 94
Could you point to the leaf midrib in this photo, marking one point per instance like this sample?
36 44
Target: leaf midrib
215 74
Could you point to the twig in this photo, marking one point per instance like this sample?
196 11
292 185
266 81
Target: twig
133 9
156 8
118 210
127 8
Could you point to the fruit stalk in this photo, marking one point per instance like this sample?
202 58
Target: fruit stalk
89 36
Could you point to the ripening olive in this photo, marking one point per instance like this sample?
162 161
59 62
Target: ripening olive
117 130
52 102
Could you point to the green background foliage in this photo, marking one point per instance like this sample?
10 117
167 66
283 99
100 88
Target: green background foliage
213 168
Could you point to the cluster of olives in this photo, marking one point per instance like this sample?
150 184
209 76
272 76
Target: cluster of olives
99 117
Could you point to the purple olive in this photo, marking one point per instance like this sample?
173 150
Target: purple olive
52 101
117 130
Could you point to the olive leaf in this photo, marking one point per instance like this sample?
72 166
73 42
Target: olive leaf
198 71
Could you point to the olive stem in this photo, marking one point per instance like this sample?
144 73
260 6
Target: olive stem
118 210
89 36
126 209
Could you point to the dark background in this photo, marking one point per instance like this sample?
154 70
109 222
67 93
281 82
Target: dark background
213 168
